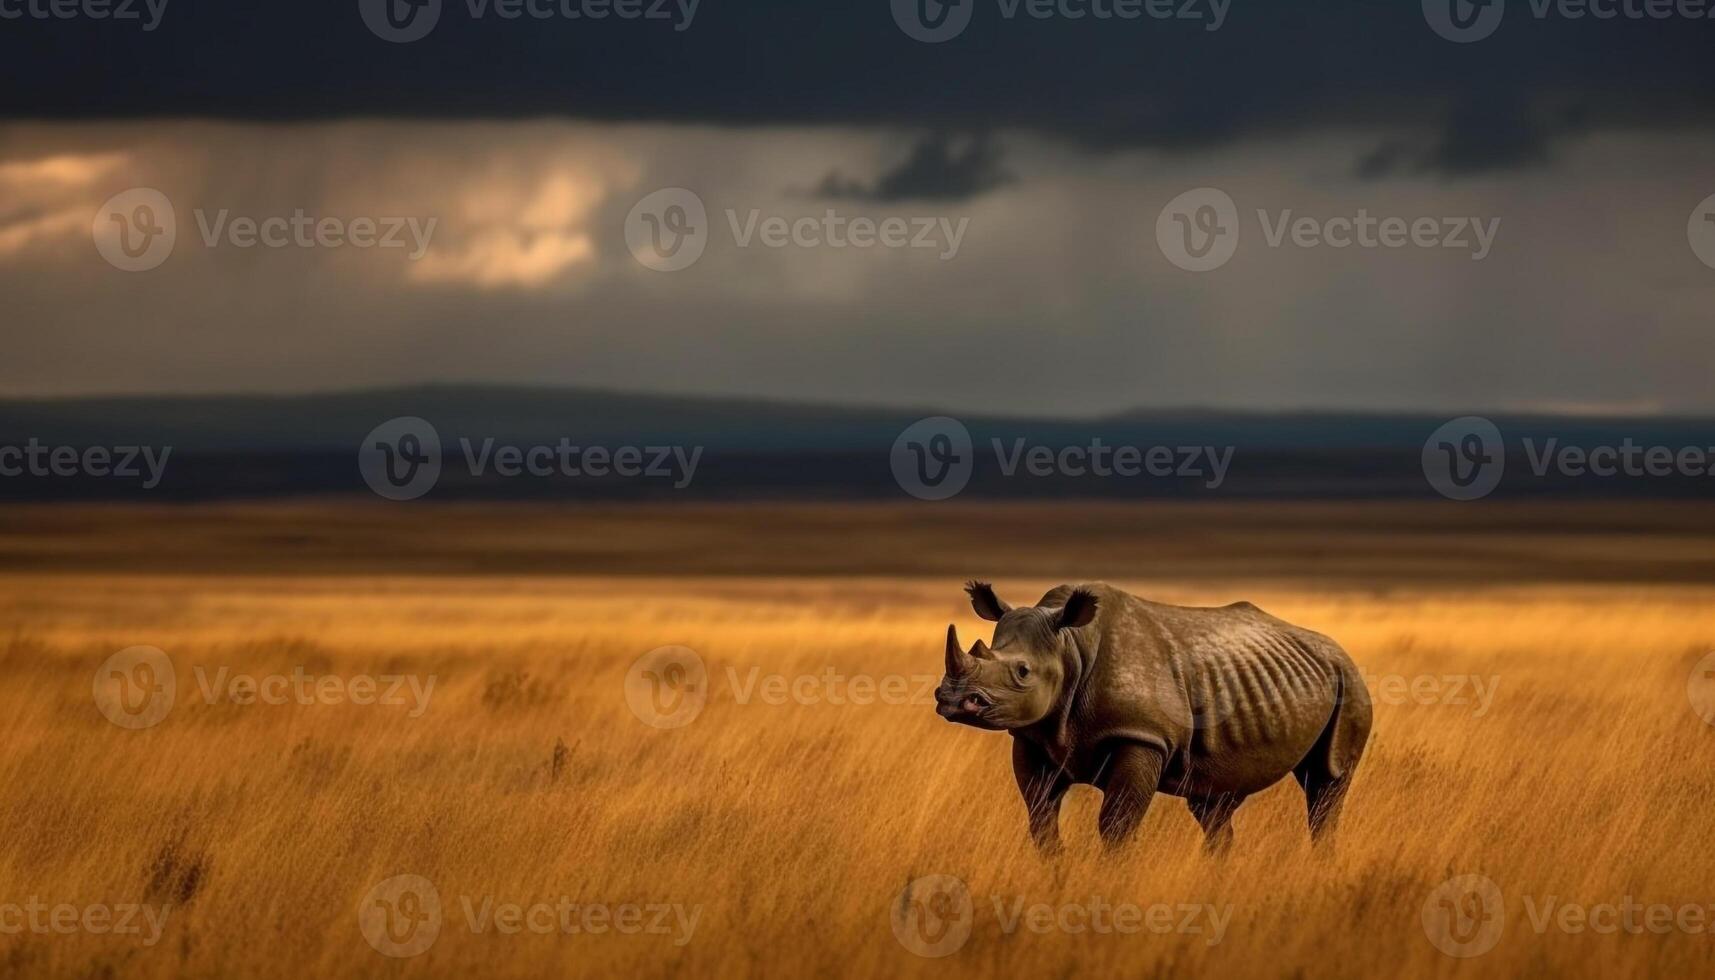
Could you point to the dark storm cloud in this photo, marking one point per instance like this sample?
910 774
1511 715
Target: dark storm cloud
1480 136
1488 134
1273 66
939 168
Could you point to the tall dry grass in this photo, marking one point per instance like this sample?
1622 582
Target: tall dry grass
795 827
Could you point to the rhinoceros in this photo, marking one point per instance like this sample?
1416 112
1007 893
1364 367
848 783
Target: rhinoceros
1099 687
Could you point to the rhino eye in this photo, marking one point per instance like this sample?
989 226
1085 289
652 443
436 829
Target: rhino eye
1022 669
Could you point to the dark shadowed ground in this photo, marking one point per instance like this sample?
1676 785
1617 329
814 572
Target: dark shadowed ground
1343 543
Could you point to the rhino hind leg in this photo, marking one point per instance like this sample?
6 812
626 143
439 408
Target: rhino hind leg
1215 815
1326 773
1324 797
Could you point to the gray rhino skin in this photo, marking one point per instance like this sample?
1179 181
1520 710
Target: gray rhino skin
1100 687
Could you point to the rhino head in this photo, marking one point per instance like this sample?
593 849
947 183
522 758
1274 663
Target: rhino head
1018 681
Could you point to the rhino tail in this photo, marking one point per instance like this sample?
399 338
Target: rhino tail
1342 742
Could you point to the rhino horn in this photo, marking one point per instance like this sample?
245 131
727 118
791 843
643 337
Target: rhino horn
980 651
959 662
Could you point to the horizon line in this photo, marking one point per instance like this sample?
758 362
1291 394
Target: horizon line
1551 410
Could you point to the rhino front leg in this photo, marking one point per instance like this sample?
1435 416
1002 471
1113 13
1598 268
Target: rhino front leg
1133 773
1043 785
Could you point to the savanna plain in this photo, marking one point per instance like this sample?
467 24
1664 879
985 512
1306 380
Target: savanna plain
1541 695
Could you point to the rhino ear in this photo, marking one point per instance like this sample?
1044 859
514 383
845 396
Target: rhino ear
985 602
1080 610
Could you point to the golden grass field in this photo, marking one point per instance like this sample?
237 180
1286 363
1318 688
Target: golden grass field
1585 779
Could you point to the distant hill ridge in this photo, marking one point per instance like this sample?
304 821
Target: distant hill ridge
337 421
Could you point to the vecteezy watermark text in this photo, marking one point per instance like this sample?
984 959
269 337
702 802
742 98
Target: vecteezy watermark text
829 686
147 463
1199 231
137 230
669 229
1466 916
302 230
146 12
934 21
404 21
834 230
98 919
934 459
1465 458
1364 230
1473 691
1465 21
410 691
137 687
401 459
935 915
668 687
403 915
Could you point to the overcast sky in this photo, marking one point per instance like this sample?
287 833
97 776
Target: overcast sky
1561 165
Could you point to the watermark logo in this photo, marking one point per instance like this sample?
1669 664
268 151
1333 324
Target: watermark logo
1700 689
933 21
400 459
1464 916
401 917
667 687
1198 231
400 21
668 229
1700 231
135 230
933 916
1464 21
1465 458
136 687
933 458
